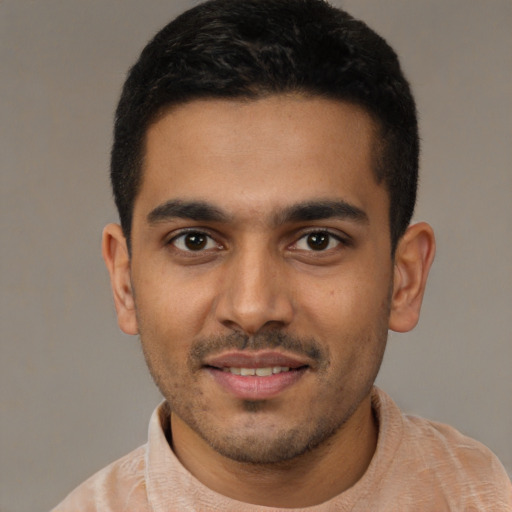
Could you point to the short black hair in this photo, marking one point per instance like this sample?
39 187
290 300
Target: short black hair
254 48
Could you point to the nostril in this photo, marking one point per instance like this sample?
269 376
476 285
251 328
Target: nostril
249 329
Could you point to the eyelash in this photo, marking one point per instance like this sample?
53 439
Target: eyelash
340 240
184 233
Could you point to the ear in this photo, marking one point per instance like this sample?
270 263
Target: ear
117 259
413 258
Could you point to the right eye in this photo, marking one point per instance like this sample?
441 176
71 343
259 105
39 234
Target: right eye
194 241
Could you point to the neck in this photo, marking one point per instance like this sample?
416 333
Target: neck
307 480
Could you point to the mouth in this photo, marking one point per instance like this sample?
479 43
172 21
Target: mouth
256 376
258 372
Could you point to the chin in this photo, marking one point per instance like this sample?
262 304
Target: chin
265 447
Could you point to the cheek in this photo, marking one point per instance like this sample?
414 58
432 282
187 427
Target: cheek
348 302
350 316
173 306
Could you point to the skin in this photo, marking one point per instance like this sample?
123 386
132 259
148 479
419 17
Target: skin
261 285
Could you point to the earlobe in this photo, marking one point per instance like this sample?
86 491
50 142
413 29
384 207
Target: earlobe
117 259
413 259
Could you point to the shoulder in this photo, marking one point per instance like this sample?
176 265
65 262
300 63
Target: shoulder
112 488
436 465
446 448
443 435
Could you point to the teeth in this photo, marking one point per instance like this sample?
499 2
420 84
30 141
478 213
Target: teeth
263 372
260 372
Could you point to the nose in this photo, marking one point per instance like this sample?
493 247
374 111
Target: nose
255 292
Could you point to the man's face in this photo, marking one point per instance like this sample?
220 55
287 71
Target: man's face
260 246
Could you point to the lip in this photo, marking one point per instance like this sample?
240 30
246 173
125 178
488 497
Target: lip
252 387
259 359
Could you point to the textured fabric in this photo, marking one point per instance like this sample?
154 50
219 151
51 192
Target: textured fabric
418 466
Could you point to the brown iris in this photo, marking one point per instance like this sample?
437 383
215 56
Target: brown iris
318 241
195 241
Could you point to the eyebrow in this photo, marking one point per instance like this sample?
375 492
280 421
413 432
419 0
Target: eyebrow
202 211
194 210
319 210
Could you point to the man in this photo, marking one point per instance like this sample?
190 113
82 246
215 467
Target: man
264 167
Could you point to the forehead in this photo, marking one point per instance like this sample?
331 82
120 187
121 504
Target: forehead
261 155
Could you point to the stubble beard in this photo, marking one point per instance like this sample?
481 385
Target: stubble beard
277 446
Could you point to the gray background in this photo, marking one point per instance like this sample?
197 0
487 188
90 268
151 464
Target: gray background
74 391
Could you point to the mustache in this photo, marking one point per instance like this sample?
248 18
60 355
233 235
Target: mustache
309 347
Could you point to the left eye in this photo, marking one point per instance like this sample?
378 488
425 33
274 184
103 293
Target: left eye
317 241
194 241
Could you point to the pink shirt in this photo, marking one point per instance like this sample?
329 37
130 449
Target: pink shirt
418 465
